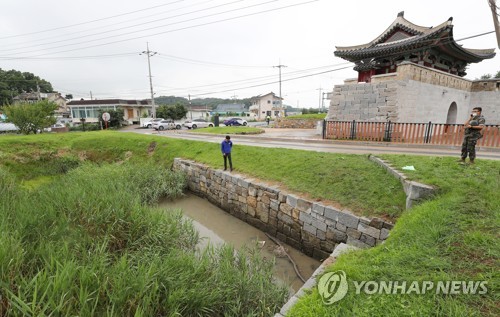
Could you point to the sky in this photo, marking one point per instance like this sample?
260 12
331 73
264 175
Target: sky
214 48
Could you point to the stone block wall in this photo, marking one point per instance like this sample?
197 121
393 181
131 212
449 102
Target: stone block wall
415 94
410 71
415 191
365 102
490 102
296 123
309 226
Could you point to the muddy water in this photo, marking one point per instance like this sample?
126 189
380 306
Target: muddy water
219 227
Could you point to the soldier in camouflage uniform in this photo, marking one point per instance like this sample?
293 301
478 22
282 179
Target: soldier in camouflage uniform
473 128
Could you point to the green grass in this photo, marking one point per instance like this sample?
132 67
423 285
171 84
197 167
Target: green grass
453 237
229 130
352 181
318 116
90 244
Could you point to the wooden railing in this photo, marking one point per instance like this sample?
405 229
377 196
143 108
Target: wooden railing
414 133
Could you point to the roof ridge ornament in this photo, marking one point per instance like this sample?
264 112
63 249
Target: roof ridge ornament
401 14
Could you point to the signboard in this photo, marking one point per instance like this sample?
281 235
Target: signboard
106 116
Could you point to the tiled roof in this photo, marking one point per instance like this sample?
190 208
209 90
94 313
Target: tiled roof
262 96
109 102
402 35
230 108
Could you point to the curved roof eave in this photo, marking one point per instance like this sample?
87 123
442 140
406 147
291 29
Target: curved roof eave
403 23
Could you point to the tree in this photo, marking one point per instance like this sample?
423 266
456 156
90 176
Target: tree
174 112
31 117
489 76
68 96
13 83
171 100
116 117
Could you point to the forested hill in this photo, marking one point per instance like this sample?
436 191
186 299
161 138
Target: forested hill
13 83
210 102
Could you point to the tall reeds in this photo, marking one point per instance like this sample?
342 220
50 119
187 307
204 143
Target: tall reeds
91 243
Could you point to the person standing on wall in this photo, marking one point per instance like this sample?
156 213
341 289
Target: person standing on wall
473 132
226 147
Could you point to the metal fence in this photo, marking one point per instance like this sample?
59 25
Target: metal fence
412 133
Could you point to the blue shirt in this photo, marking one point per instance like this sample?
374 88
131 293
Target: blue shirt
226 147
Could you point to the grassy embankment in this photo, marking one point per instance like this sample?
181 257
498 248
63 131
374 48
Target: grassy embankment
80 237
350 180
229 130
454 237
319 116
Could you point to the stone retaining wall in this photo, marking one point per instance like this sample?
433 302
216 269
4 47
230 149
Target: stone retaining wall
308 286
415 191
296 123
308 226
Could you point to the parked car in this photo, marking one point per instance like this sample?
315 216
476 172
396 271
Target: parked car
149 124
198 123
165 125
57 126
8 127
235 121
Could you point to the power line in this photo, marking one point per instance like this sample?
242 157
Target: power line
179 29
56 58
274 82
258 79
198 62
131 26
91 21
110 25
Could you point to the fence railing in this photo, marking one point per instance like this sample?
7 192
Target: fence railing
413 133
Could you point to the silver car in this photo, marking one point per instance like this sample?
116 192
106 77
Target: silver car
164 125
198 123
149 124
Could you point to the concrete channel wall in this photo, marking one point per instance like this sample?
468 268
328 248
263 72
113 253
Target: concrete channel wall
311 227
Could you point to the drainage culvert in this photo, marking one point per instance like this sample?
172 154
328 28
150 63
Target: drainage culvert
216 226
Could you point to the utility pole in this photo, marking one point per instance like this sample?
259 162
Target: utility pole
281 102
38 91
323 101
320 98
494 7
190 110
150 54
234 98
91 95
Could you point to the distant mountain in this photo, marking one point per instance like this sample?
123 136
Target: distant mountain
210 102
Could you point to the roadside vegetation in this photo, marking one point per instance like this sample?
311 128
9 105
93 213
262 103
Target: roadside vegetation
57 185
351 181
319 116
81 236
229 130
451 238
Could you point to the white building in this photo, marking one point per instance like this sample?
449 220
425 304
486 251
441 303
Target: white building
133 110
267 105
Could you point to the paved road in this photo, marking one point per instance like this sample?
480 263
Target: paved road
310 141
